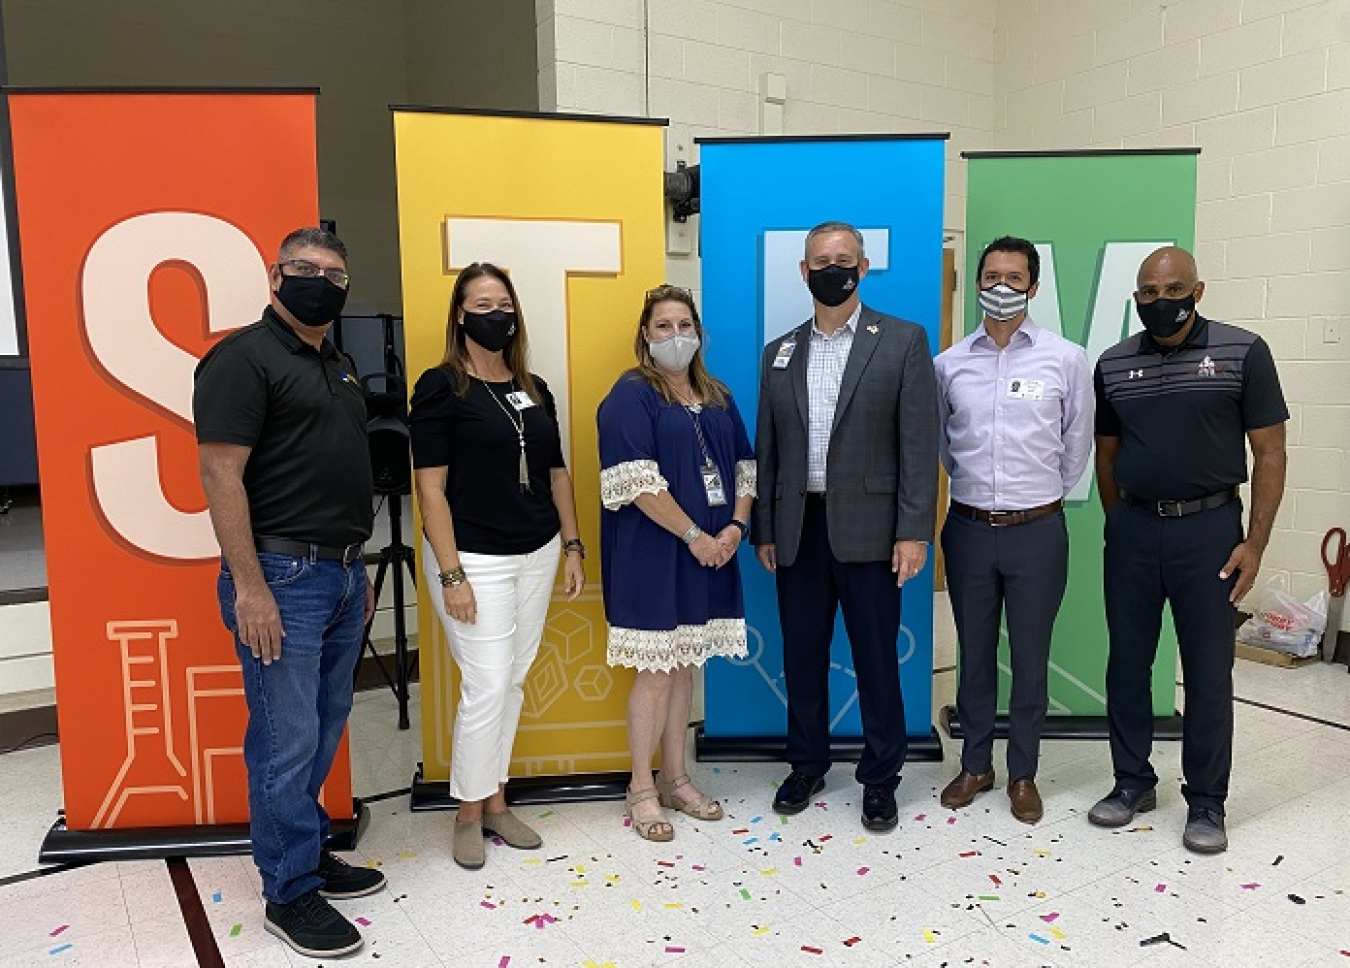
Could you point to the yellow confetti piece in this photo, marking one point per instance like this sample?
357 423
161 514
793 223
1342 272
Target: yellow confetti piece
673 904
581 883
612 878
929 937
769 871
532 862
761 930
1058 933
1039 894
860 841
580 869
407 855
637 905
1042 853
372 864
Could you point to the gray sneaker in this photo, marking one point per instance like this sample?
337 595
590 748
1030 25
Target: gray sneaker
1118 807
1204 831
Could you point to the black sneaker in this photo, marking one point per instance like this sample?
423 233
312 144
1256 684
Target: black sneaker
342 881
311 926
796 792
879 812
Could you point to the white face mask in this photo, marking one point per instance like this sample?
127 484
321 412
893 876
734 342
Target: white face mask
673 353
1002 302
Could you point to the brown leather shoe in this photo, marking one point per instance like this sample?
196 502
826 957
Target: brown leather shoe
962 791
1026 801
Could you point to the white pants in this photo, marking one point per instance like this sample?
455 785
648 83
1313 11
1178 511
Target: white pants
494 655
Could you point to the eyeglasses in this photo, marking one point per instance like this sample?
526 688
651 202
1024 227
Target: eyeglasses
308 270
667 291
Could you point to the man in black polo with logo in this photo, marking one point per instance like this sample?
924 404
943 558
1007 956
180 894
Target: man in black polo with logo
1175 405
281 428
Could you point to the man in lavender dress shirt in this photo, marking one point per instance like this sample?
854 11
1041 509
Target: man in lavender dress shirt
1016 406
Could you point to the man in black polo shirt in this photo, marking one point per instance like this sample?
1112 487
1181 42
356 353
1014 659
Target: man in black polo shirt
1174 405
281 428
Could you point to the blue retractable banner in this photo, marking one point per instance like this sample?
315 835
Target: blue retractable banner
760 196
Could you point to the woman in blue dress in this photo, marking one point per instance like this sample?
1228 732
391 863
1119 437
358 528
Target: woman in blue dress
677 480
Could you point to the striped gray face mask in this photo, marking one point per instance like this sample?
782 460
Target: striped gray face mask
1002 302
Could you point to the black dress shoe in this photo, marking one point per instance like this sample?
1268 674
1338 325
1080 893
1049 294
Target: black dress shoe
796 792
879 812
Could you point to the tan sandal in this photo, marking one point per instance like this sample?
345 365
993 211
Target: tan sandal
702 808
647 829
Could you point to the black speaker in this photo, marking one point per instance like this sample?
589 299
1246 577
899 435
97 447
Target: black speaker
387 433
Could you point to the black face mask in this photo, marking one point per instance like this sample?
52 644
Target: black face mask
1164 318
493 331
832 285
313 300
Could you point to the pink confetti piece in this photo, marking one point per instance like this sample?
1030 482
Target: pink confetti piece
970 853
665 863
797 862
674 950
822 805
827 837
1161 889
921 816
850 942
950 821
994 878
506 960
627 822
362 921
58 930
863 870
487 904
1050 918
1250 887
743 830
812 951
698 867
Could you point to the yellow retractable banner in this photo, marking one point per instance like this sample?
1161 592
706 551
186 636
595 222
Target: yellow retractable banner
572 208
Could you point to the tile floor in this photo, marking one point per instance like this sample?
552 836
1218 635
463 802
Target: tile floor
973 887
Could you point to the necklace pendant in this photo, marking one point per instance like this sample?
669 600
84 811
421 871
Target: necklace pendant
524 469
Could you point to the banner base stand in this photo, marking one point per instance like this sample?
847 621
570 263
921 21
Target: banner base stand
770 749
1166 728
576 788
65 846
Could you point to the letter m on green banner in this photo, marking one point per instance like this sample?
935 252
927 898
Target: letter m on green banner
1094 216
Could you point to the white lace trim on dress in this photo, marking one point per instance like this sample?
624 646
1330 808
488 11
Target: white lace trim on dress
622 483
747 476
661 651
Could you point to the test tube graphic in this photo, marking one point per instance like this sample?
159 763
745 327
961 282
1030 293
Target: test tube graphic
151 767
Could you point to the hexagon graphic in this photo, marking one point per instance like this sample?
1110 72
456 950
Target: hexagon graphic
571 634
593 683
546 683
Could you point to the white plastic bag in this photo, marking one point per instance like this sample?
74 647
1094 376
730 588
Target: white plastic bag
1283 623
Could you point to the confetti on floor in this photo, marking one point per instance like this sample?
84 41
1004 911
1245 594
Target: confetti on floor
57 930
364 922
863 870
506 960
929 937
1038 939
812 951
217 897
58 950
1050 918
1161 889
1250 887
235 931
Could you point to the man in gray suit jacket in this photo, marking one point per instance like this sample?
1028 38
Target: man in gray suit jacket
847 453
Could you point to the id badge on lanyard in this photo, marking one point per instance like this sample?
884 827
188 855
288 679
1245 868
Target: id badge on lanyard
712 485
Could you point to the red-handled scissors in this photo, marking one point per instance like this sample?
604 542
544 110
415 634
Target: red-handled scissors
1336 557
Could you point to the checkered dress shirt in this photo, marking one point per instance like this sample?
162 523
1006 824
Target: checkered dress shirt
825 361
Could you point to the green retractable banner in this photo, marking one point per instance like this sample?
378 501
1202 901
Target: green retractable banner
1094 216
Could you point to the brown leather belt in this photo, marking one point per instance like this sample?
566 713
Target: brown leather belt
1005 519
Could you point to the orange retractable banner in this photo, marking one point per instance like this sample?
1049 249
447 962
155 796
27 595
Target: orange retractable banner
147 222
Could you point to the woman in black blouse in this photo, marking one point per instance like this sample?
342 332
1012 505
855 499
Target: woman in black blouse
497 512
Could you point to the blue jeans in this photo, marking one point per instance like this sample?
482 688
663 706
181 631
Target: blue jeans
297 710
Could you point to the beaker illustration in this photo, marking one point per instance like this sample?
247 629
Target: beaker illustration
151 767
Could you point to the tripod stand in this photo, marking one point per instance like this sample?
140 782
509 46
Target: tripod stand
399 555
391 466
